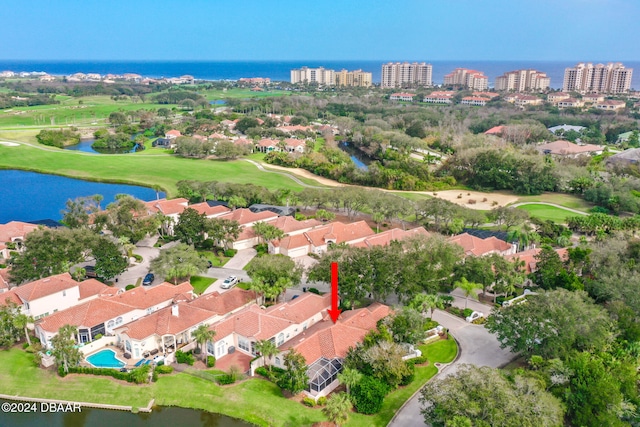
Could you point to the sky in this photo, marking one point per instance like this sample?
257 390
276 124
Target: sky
215 30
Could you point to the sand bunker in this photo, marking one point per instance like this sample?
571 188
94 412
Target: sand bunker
8 144
476 199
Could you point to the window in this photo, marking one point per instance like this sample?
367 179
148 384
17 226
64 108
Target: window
119 321
26 305
277 361
243 344
64 293
127 345
110 324
280 339
149 310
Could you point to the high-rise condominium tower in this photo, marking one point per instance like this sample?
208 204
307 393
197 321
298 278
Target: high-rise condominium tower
599 78
404 74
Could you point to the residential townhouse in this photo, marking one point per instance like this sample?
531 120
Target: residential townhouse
55 293
385 238
439 97
611 105
12 235
171 328
100 316
556 97
316 240
569 149
246 218
476 246
570 103
402 96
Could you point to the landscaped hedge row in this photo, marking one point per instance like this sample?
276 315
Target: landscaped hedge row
126 376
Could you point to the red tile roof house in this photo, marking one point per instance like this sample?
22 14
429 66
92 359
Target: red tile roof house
4 281
529 258
172 134
496 130
268 145
569 149
171 328
210 211
12 234
102 315
478 247
169 208
317 239
55 293
246 219
386 237
324 345
295 145
291 227
239 332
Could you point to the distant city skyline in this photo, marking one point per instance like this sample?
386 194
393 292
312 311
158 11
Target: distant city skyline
407 30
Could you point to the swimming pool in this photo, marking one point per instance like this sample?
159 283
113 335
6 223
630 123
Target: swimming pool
105 359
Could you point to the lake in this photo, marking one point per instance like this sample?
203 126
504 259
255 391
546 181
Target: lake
357 157
31 196
86 147
159 417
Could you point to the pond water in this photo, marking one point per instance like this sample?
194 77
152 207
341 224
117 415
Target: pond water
86 147
357 157
159 417
31 196
218 102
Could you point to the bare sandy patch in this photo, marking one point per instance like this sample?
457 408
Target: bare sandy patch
9 144
305 174
475 199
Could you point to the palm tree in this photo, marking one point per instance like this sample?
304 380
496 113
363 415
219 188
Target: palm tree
203 335
427 302
98 198
377 217
21 321
338 407
349 377
468 288
268 349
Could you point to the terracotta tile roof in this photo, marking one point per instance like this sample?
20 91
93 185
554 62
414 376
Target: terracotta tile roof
11 296
167 207
92 287
15 229
44 287
289 224
89 314
163 321
242 141
174 132
292 242
292 142
4 279
224 303
475 246
403 94
268 143
210 211
295 128
326 339
386 237
300 309
246 234
141 297
496 130
245 216
567 148
217 136
339 231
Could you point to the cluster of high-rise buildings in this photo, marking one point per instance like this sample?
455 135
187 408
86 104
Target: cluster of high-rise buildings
325 76
584 78
588 78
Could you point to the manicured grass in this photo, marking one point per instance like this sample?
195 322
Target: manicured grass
141 168
546 212
254 400
237 93
216 260
567 200
93 109
443 351
200 284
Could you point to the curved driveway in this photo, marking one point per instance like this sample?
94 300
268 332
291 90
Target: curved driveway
477 347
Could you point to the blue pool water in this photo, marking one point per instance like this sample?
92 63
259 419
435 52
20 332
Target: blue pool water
105 359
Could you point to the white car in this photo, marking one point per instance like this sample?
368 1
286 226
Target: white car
229 282
474 316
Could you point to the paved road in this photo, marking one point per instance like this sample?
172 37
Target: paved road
477 347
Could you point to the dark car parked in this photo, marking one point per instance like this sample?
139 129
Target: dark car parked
148 279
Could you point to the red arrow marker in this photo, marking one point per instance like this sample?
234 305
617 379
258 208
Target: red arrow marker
335 311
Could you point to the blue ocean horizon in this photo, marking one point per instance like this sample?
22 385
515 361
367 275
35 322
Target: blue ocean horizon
280 70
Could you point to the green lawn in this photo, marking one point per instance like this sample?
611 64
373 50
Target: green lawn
567 200
546 212
443 351
254 400
237 93
149 167
200 284
216 260
70 111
